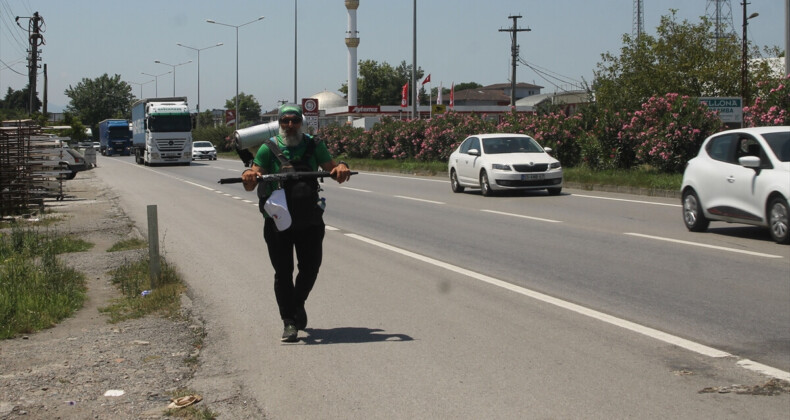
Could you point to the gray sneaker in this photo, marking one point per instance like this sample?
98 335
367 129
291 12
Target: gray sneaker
289 332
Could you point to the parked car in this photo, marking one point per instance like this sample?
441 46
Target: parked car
740 176
96 145
203 150
73 162
497 162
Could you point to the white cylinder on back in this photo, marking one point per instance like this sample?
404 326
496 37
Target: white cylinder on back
253 137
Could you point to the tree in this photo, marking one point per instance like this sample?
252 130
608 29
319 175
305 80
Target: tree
467 85
249 108
381 84
77 130
18 100
99 99
683 58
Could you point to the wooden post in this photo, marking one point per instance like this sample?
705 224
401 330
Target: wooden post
154 268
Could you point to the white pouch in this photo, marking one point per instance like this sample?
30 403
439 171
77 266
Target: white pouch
277 208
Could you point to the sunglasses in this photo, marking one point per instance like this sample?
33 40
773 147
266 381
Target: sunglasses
286 121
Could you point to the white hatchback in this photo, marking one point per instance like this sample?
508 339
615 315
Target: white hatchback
740 176
497 162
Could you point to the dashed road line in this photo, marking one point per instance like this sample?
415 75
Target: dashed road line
720 248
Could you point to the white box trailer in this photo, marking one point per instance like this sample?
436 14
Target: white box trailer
162 131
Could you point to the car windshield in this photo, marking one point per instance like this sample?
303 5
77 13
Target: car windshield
499 145
202 144
780 144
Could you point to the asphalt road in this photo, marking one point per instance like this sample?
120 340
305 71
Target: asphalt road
439 305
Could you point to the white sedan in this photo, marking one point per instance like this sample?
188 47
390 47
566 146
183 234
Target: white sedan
497 162
740 176
203 150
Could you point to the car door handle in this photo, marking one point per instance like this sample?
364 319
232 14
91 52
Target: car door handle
731 179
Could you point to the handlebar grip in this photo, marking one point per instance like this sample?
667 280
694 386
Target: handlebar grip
230 180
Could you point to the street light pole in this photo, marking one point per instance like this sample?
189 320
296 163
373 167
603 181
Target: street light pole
197 108
745 57
174 71
237 59
156 78
141 86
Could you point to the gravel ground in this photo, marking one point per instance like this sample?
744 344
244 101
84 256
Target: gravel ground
72 370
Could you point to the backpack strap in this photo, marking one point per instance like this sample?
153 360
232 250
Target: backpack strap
278 153
312 142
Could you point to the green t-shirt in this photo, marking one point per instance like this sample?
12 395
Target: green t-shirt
269 162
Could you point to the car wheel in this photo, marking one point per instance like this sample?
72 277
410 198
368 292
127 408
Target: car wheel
457 188
554 191
778 220
693 216
485 186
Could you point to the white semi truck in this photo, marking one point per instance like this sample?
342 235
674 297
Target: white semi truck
162 131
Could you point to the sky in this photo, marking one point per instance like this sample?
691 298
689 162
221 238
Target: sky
457 41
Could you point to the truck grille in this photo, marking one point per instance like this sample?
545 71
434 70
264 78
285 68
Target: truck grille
170 145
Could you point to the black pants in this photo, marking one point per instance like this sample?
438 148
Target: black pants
308 244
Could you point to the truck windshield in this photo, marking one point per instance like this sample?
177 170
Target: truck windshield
170 123
119 132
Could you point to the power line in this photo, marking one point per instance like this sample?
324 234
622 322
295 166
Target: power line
546 74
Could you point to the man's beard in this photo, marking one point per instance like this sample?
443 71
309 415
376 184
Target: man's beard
291 140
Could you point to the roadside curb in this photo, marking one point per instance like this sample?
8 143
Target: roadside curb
623 190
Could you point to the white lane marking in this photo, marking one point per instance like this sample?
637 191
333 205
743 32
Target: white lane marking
332 228
418 199
522 216
413 178
764 369
609 319
626 200
355 189
197 185
720 248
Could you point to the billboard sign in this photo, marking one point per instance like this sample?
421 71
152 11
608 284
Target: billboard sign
730 109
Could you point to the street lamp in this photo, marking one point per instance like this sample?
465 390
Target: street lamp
237 59
156 78
141 86
745 58
198 66
174 71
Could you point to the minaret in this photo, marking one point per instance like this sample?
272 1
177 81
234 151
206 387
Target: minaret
352 42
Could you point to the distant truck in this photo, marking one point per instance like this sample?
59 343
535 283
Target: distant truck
162 131
114 138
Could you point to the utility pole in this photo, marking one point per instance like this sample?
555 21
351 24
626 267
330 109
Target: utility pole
35 40
514 52
44 108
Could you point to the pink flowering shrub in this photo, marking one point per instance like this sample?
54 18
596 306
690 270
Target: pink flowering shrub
665 133
668 130
771 104
601 146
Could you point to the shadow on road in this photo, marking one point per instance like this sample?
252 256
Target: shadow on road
350 335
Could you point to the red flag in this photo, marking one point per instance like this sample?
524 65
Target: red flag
404 96
452 95
427 79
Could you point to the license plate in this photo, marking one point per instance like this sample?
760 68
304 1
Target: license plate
531 177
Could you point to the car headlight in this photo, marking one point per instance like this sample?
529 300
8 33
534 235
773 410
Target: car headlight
500 166
555 165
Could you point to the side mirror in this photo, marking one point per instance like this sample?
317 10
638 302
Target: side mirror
474 152
547 149
749 162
